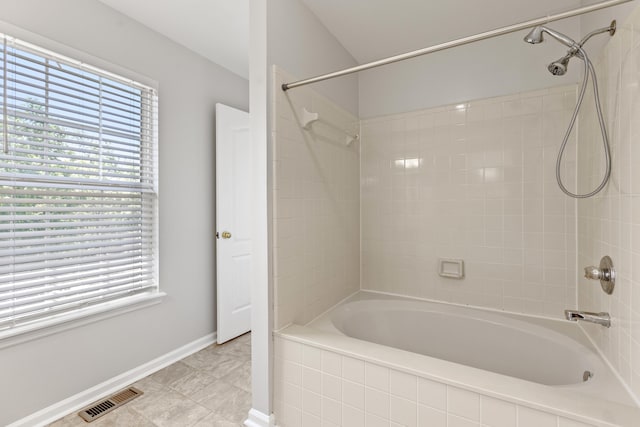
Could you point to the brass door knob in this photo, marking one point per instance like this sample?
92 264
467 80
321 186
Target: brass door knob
226 235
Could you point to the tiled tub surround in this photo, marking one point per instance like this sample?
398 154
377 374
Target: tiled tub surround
333 380
474 181
316 231
609 223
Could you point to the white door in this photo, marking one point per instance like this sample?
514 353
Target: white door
233 226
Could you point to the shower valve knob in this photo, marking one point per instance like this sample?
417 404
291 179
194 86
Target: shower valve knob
594 273
604 273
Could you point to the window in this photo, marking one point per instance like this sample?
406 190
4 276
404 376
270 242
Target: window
78 179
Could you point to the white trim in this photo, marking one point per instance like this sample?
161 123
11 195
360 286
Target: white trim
99 391
259 419
262 184
76 319
72 52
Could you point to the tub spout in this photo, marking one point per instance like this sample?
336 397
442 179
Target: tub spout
600 318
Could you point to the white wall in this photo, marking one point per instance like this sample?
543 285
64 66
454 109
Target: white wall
261 292
494 67
300 44
601 19
39 373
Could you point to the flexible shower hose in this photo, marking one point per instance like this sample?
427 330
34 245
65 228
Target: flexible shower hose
588 70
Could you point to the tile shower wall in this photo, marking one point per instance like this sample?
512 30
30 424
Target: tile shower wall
609 223
316 208
316 387
474 181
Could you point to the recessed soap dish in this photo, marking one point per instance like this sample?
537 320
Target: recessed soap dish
451 268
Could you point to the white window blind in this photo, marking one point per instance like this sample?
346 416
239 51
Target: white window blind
78 179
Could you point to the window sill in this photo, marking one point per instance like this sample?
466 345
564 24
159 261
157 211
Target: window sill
86 316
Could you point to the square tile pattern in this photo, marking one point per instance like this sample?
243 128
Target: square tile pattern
473 181
316 205
609 223
210 388
353 393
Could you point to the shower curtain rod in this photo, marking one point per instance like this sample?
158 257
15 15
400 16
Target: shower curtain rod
457 42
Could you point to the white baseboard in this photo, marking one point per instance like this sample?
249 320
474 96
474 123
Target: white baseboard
258 419
84 398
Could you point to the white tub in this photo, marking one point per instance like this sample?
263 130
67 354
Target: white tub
520 358
550 354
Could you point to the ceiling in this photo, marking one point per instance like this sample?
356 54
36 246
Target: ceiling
374 29
215 29
368 29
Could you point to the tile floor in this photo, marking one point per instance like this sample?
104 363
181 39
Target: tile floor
210 388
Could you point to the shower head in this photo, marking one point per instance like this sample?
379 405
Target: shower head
535 36
559 67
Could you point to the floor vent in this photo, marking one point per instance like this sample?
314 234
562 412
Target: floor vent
107 405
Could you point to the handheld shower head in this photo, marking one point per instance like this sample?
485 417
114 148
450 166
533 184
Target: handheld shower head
559 67
535 36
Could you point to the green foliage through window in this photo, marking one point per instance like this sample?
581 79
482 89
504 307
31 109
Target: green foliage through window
77 186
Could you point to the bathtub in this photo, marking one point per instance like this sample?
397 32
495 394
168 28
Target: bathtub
534 350
546 363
